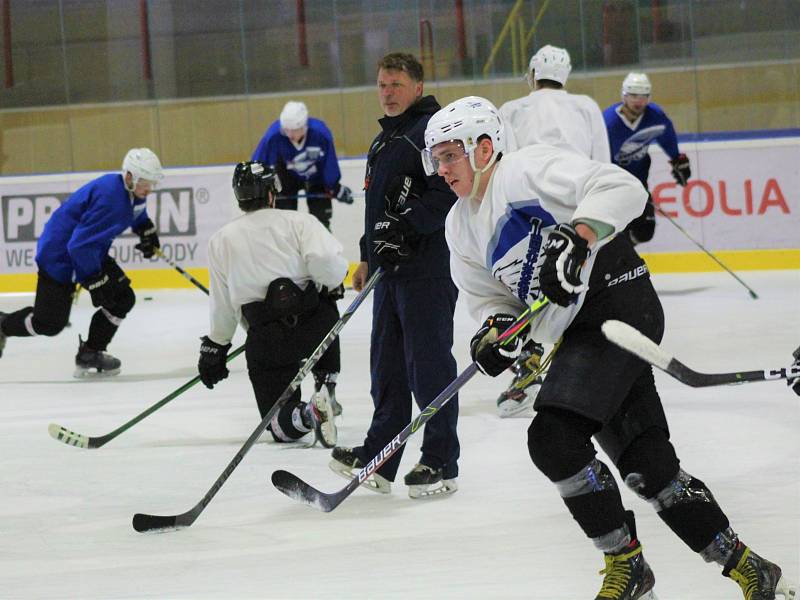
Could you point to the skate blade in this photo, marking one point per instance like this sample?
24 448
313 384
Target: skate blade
785 589
84 373
325 432
374 483
425 492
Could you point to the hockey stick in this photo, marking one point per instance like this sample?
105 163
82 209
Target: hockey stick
635 342
61 434
299 490
753 295
196 283
145 522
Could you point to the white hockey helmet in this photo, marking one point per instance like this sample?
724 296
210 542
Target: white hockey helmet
636 83
142 163
550 63
464 120
294 115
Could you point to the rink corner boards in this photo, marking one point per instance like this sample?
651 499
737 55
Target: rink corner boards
661 262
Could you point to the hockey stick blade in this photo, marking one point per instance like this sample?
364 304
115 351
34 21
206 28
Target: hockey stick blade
70 438
144 523
630 339
299 490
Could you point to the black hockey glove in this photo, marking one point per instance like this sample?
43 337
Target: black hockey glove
401 189
680 169
106 285
336 293
564 253
391 239
212 365
794 382
148 239
343 194
491 356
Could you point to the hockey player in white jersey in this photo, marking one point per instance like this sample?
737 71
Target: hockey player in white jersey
272 271
541 221
548 115
551 115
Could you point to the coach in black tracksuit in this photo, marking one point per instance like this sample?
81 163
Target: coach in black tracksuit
413 305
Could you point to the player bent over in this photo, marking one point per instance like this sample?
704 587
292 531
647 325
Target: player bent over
542 222
74 248
272 269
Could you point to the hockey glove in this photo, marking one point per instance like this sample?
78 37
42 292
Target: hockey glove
148 239
398 193
211 366
336 293
391 241
491 356
794 382
343 194
680 169
564 253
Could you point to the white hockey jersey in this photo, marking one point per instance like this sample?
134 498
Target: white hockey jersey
495 244
546 116
256 248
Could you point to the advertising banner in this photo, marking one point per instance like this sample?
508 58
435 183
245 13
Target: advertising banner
743 195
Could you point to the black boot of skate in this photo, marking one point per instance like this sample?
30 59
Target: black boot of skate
344 462
94 363
424 481
627 576
521 394
758 578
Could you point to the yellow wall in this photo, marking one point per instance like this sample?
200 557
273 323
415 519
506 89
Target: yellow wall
226 130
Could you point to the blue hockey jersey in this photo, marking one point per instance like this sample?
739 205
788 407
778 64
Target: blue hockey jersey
629 142
314 163
78 235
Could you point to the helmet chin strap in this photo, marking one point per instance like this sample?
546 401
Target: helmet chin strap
476 181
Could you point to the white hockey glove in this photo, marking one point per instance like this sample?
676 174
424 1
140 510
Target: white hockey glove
794 382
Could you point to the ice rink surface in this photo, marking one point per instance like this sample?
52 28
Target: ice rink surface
65 513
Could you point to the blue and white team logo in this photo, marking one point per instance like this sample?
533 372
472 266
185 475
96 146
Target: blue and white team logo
305 163
513 253
635 147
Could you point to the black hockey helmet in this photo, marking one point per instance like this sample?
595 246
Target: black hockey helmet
252 183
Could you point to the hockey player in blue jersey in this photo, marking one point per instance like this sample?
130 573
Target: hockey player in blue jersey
301 149
633 125
74 248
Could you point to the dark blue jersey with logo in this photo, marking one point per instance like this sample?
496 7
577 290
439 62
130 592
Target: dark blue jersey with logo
629 141
78 235
314 163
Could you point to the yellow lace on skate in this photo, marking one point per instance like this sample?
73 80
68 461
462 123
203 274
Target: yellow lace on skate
617 574
745 575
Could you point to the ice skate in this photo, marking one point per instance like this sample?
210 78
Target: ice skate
94 363
329 381
627 576
521 394
347 464
2 335
323 414
758 578
425 482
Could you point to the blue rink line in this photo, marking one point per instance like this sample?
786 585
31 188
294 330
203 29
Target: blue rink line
728 136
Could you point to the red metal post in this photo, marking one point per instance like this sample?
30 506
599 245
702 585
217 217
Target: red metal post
7 57
302 45
144 29
461 36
